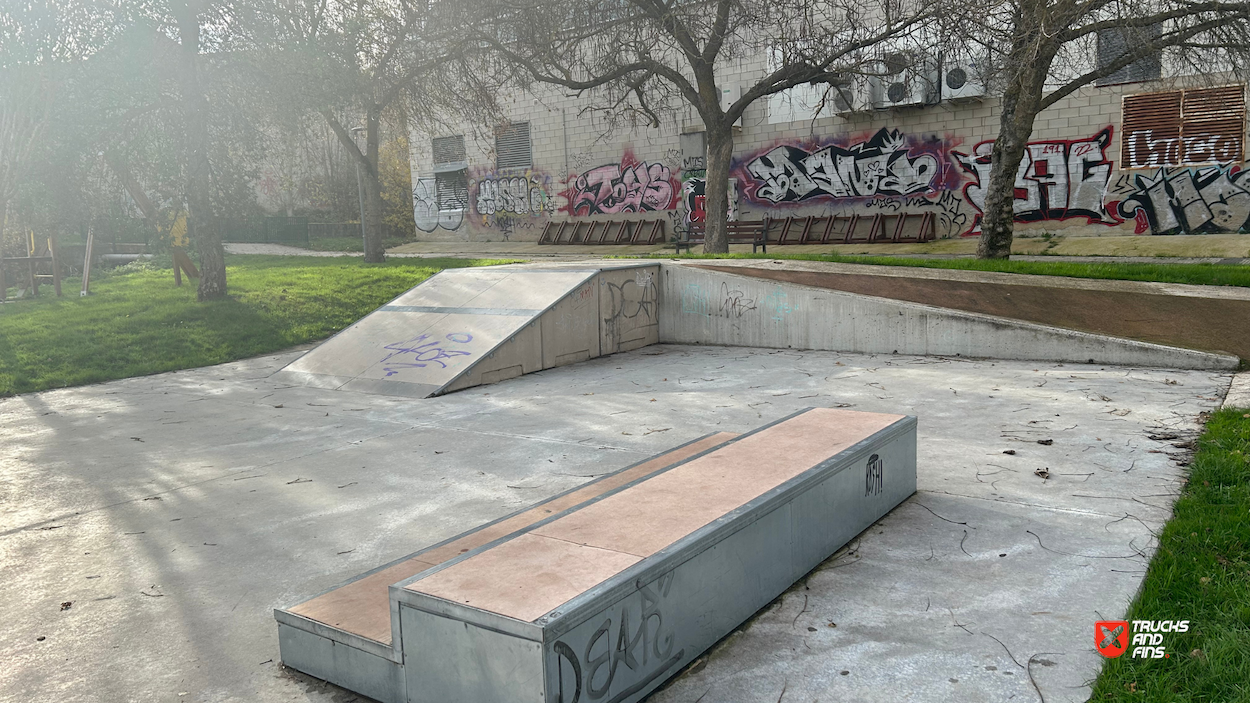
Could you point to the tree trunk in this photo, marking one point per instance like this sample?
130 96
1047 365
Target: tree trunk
202 224
375 249
720 148
1021 102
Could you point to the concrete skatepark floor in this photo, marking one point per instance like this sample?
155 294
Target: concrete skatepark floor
172 513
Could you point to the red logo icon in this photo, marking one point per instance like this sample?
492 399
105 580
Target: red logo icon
1111 637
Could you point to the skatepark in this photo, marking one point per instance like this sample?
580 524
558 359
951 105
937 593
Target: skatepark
1045 459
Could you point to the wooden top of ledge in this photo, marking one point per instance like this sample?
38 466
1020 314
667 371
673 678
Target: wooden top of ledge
362 607
535 573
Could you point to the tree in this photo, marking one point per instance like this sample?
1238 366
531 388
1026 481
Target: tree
636 59
26 99
1041 51
359 58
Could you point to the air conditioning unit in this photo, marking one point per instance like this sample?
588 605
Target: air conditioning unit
962 81
903 79
848 95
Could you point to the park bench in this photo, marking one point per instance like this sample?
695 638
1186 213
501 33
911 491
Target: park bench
606 598
753 232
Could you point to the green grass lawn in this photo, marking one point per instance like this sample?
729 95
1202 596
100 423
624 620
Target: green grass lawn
1197 274
1201 573
138 323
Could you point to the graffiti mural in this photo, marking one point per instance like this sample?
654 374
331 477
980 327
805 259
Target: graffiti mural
425 208
628 186
887 163
1057 180
694 198
516 196
951 216
1205 200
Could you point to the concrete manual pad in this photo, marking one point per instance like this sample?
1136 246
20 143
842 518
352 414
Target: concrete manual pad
243 493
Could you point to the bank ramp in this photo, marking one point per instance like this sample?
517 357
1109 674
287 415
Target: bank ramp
473 326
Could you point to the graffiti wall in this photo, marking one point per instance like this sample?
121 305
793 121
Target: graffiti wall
1171 201
1074 184
512 202
628 186
1057 180
886 163
694 197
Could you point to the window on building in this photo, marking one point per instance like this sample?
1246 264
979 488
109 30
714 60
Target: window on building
448 150
512 146
1184 127
1114 43
452 188
451 174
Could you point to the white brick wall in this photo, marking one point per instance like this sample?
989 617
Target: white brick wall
567 144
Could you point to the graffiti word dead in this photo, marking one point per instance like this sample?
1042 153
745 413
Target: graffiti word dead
622 654
882 165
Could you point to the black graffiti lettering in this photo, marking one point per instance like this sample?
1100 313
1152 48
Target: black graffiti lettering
1056 180
883 165
594 664
625 646
874 478
563 652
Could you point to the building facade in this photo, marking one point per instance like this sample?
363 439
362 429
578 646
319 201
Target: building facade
1138 155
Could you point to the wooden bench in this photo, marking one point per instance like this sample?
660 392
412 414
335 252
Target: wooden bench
606 599
753 232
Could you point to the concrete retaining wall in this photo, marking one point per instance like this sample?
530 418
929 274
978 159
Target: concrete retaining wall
704 307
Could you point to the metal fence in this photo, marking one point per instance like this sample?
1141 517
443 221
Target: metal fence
266 230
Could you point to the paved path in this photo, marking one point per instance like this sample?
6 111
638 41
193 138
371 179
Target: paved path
172 513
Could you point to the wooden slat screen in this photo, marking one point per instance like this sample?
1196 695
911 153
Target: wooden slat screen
1183 127
1151 130
1214 125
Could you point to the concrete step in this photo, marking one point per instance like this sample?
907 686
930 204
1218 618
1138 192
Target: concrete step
349 629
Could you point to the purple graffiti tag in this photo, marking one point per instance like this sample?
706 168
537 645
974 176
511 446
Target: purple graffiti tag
424 351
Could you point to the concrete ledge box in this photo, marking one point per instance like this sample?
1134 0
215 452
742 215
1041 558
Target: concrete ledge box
608 600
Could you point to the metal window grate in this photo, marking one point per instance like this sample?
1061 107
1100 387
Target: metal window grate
452 189
448 150
512 146
1184 127
1113 44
